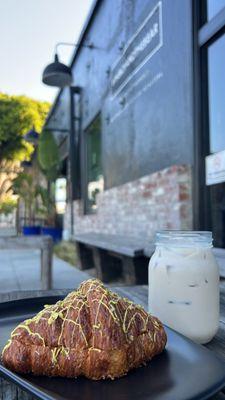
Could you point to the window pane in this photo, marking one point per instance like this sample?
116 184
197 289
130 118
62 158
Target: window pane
213 7
217 200
216 73
95 182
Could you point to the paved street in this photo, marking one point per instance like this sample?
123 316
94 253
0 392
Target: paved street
20 270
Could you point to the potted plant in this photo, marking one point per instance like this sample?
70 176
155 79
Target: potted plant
49 161
48 211
25 187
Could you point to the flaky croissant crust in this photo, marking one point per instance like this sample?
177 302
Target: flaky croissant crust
92 332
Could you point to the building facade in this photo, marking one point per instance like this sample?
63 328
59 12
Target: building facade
141 131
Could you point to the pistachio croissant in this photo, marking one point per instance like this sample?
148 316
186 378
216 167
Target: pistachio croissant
92 332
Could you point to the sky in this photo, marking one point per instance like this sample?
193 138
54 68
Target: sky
29 30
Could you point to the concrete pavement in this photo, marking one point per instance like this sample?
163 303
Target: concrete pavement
20 270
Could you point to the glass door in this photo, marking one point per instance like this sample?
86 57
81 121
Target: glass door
216 124
209 51
94 172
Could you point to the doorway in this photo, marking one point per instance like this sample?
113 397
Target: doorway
216 131
211 44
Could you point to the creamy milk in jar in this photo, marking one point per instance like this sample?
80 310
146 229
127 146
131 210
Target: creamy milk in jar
184 283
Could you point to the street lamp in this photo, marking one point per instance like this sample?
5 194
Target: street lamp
58 74
31 136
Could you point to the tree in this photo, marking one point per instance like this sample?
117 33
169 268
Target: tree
19 114
8 171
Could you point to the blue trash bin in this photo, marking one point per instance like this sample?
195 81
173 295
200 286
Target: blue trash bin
31 230
55 233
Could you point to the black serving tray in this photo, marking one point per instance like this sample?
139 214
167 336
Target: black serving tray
184 371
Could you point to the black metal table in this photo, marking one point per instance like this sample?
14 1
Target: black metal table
139 294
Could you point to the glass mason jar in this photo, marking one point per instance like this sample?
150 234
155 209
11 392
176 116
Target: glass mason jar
184 283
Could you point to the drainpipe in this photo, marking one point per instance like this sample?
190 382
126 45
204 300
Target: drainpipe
73 155
71 158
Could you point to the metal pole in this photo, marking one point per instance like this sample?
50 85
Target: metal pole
74 171
71 158
89 46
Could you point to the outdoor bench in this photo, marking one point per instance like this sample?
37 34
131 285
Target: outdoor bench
218 253
220 258
114 256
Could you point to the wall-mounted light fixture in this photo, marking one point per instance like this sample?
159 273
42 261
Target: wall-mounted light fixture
58 74
32 136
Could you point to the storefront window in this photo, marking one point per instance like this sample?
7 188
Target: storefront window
213 7
217 200
95 181
216 107
60 195
216 82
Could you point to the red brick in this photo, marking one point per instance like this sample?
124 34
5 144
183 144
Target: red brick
153 202
184 196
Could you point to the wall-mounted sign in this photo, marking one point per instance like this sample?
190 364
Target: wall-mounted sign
141 47
215 168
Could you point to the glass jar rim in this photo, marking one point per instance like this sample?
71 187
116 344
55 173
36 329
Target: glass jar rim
184 238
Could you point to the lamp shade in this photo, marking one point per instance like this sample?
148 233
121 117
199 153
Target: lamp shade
57 74
26 164
32 136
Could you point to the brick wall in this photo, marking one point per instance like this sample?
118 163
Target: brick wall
161 200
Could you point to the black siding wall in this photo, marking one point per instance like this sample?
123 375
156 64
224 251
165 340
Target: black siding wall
149 124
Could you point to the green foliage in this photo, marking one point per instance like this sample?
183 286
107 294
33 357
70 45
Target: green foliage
18 114
67 252
25 187
48 155
47 208
7 206
38 200
49 161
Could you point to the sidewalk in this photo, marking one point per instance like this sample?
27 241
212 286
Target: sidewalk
20 270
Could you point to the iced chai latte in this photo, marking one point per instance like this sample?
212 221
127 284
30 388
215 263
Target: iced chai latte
184 283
